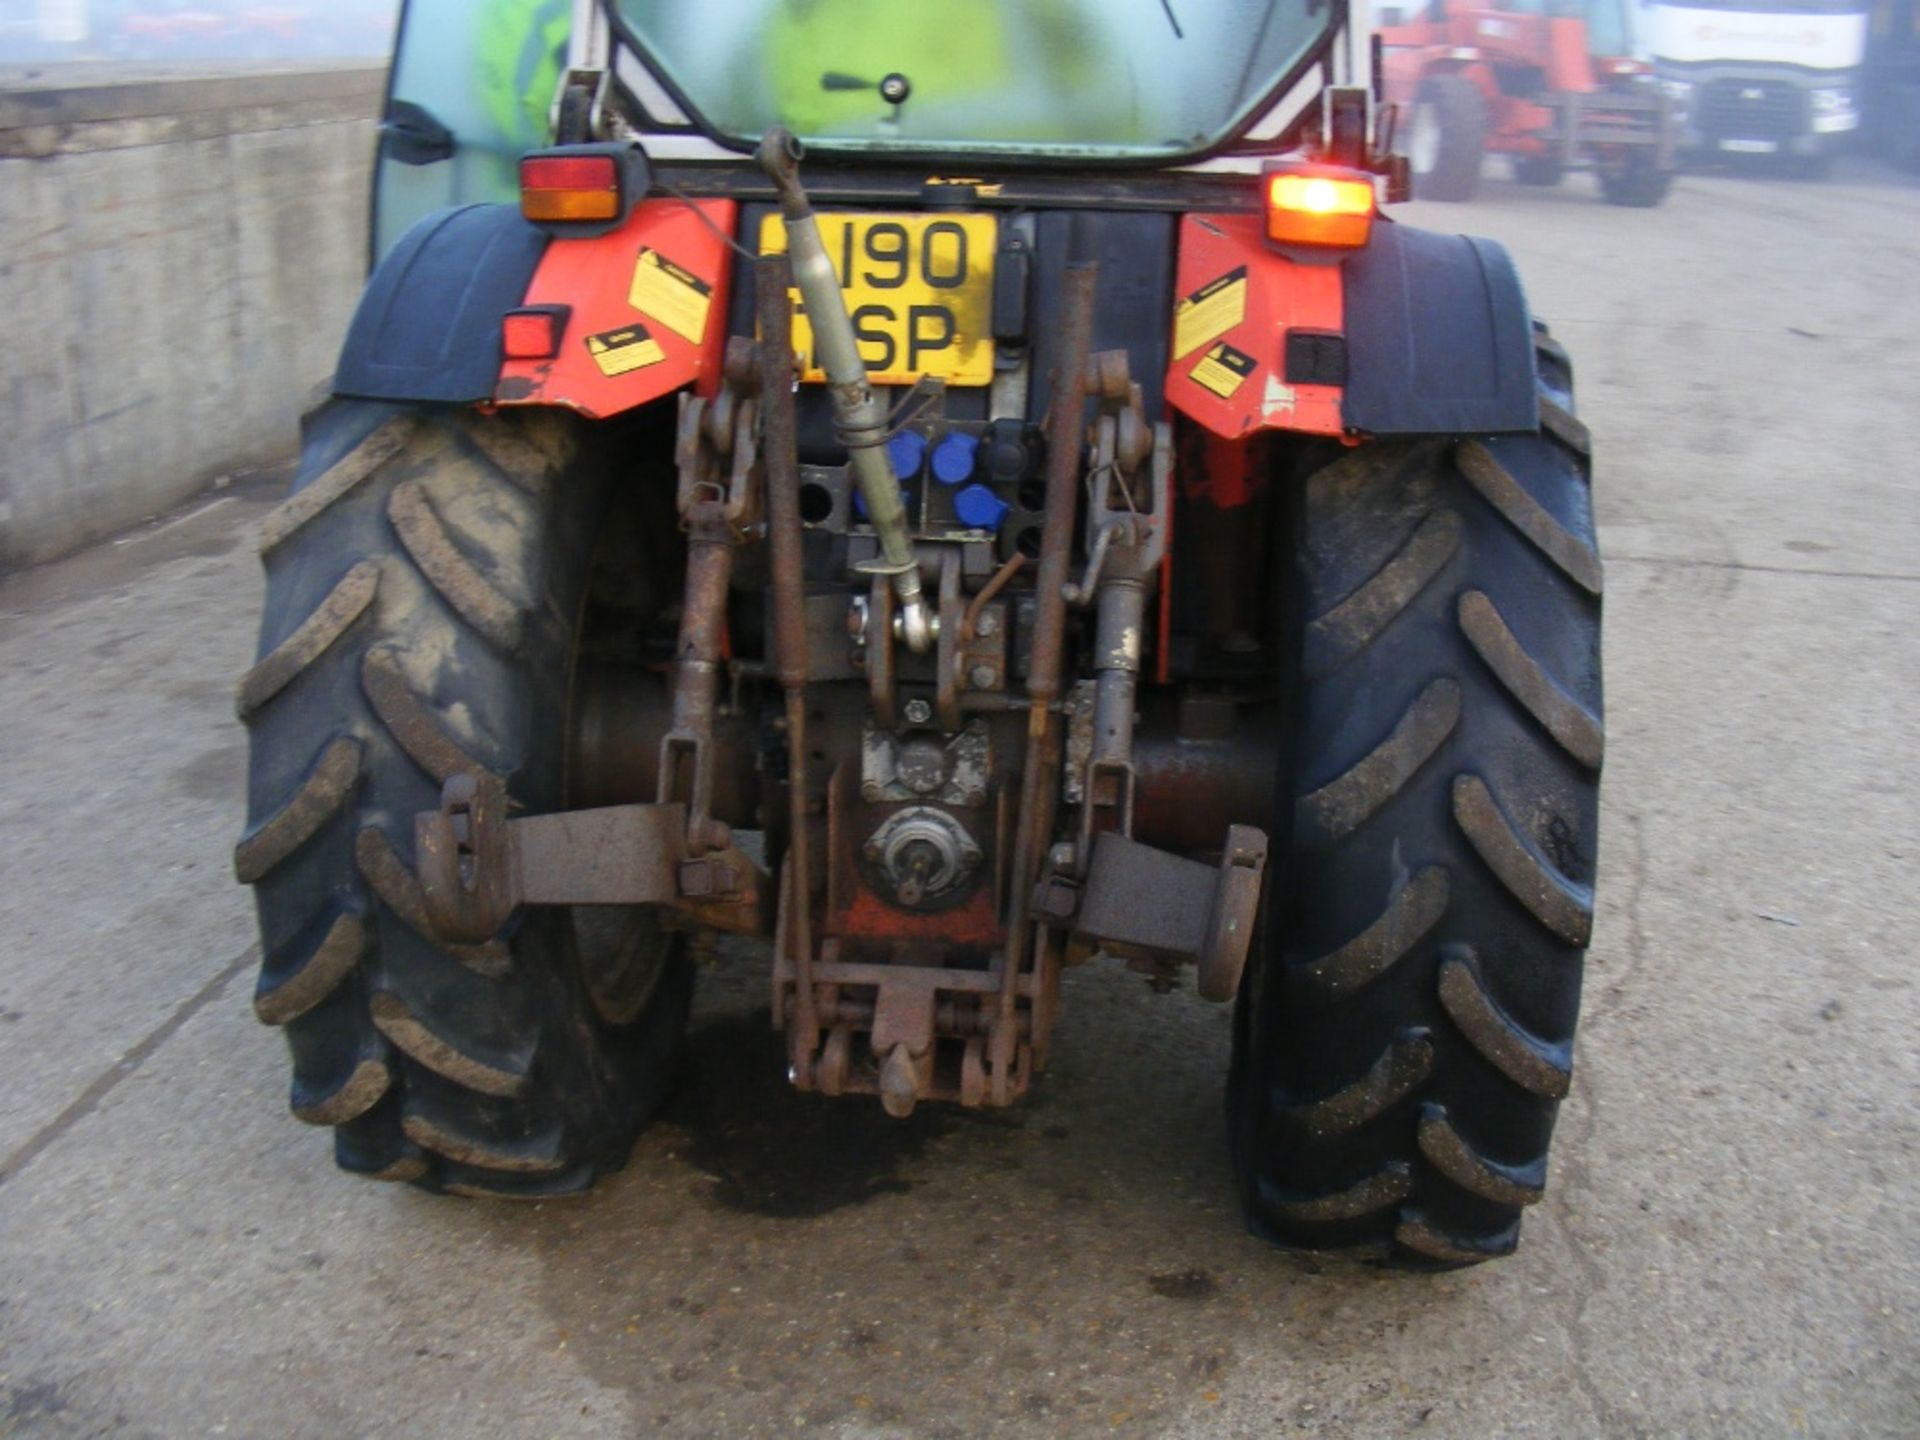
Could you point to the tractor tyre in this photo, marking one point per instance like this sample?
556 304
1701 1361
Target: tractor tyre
1447 138
1638 181
1404 1034
426 581
1545 171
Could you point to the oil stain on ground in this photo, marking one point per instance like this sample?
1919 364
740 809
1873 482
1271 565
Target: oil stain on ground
774 1151
770 1259
1183 1285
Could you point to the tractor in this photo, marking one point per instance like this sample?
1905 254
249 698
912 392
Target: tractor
1552 84
951 504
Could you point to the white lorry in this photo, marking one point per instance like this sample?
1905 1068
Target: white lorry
1761 77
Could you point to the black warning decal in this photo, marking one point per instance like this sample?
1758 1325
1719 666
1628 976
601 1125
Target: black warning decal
619 352
1209 312
1223 370
671 294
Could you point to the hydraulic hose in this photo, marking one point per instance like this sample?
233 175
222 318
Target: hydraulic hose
859 418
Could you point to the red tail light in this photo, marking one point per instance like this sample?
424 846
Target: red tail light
1319 206
533 333
570 187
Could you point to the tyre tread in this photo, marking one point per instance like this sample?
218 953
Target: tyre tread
1575 728
411 721
1342 632
1418 1233
1439 887
457 578
363 1087
1533 1064
1502 490
344 476
1401 1069
315 635
320 971
1556 902
320 797
413 661
538 1153
1415 909
1382 1190
1449 1153
1565 426
1348 801
414 1036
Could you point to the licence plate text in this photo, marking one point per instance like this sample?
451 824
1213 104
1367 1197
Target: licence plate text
919 289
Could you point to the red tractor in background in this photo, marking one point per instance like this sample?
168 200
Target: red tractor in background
1550 83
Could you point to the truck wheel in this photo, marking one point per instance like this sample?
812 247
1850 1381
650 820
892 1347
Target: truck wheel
1404 1034
1542 170
425 585
1637 181
1447 135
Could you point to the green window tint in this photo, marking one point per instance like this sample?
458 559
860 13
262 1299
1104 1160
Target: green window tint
1062 77
484 72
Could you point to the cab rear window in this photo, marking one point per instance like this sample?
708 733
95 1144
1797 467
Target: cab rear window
1124 78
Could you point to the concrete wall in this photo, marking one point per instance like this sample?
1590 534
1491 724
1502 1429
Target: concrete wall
178 260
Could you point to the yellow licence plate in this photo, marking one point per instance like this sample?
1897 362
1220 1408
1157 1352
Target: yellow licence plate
919 289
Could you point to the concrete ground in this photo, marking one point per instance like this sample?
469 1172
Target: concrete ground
1730 1243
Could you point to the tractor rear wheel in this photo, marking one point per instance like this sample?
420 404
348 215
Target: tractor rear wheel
1447 136
1404 1034
426 583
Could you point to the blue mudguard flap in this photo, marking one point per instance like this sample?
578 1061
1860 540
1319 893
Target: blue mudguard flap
1439 338
428 326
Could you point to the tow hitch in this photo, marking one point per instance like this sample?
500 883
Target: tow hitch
476 867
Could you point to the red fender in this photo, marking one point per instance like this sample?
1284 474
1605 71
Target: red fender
1237 300
647 312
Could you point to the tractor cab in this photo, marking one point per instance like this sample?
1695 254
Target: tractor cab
1056 85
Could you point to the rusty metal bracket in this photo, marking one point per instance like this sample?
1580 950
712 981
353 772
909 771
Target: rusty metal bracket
1236 908
1139 902
476 867
1039 780
1126 536
719 499
926 1028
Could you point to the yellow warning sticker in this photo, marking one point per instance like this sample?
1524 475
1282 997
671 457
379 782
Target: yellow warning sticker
1223 370
1209 312
676 297
620 352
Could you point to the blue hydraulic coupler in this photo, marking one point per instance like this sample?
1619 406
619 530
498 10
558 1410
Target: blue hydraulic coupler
953 458
978 508
908 451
